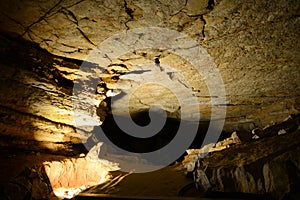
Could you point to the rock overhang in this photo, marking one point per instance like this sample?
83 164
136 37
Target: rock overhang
256 56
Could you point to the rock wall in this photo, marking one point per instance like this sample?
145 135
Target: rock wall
266 169
36 106
254 45
266 165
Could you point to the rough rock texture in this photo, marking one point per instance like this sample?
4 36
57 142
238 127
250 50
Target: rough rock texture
77 174
36 106
45 176
23 175
274 171
253 41
267 166
253 45
30 183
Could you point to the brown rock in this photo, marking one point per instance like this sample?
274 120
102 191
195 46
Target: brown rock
77 173
260 167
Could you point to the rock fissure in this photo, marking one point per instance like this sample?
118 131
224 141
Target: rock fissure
42 17
211 4
203 28
85 36
128 10
70 15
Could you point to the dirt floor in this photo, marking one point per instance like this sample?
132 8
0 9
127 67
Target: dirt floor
166 182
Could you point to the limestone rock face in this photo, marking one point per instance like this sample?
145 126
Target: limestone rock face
57 179
36 106
267 166
77 174
253 44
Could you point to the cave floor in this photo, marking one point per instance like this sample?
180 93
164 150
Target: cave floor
166 182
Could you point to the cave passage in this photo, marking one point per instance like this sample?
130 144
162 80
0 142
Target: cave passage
143 145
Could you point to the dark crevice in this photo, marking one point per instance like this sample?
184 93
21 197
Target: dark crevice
211 4
210 7
85 36
185 3
120 65
127 27
203 28
138 72
23 145
171 75
70 15
106 56
69 62
129 11
182 83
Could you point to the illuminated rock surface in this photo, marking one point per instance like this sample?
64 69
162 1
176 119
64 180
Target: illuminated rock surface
254 45
266 165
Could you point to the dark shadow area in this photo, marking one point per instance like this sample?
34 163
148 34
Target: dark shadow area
272 153
133 144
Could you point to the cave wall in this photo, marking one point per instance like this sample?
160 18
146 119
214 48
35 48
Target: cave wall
43 43
36 106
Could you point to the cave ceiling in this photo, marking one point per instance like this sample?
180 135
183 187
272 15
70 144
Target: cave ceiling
254 46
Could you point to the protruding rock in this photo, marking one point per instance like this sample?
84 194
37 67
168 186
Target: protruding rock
71 176
269 165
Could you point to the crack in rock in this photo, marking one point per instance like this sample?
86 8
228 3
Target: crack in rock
203 27
85 36
42 17
128 10
70 15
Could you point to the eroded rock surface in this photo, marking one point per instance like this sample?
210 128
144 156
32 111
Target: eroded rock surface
253 44
266 166
77 174
36 105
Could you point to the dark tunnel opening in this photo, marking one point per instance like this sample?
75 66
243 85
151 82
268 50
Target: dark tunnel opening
115 135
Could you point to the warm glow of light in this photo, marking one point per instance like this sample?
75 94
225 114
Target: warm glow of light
70 176
67 193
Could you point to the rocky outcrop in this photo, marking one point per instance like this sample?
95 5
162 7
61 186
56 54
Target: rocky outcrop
268 165
71 176
36 105
59 179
